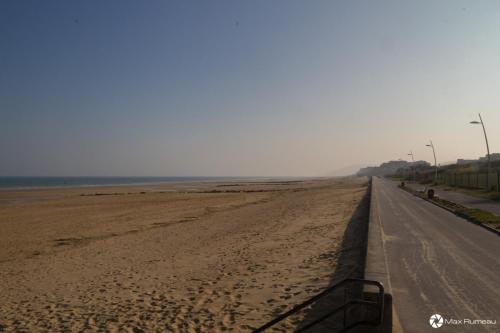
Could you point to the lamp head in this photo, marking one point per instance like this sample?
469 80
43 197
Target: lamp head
475 122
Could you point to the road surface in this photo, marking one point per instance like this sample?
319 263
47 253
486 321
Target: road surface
491 206
437 263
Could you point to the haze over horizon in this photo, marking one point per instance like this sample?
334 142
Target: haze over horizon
233 88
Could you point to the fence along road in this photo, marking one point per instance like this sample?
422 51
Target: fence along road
437 262
476 180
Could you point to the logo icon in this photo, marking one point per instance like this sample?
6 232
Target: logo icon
436 320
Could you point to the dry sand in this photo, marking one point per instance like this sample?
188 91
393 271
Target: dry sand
202 257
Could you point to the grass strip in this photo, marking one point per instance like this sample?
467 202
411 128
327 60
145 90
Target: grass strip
475 215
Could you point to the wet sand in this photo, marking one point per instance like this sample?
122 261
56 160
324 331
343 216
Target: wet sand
199 257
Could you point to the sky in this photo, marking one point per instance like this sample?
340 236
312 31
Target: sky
243 88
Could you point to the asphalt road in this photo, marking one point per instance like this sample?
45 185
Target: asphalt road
437 263
463 199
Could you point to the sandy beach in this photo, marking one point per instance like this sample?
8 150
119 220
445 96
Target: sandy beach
197 257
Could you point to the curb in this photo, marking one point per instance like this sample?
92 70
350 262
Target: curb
490 229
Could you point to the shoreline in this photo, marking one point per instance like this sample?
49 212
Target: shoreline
154 183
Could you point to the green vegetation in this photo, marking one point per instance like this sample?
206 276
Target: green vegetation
475 192
471 214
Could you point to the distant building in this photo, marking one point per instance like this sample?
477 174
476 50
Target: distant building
391 168
493 157
462 161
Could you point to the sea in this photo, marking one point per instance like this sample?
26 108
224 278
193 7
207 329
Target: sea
42 182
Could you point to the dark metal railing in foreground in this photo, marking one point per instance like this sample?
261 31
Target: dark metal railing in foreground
378 304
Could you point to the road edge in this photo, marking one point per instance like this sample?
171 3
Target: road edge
490 229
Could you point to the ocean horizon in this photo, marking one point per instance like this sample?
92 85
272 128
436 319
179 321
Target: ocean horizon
28 182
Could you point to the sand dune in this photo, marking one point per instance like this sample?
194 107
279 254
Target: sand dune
179 258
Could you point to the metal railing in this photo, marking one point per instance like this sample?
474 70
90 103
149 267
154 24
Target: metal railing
378 305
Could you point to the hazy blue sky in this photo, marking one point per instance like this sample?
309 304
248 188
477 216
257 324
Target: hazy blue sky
243 87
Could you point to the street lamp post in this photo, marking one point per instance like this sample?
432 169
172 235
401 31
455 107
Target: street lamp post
411 154
487 150
411 168
435 161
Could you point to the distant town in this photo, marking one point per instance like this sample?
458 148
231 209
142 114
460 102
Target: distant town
423 168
